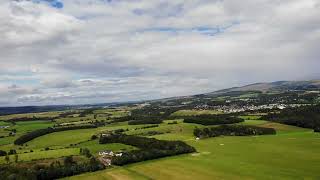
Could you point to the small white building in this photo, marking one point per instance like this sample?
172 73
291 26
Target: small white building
106 153
118 154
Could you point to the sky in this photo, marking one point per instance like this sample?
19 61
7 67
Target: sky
99 51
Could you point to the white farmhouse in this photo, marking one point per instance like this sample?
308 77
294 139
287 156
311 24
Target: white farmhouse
106 153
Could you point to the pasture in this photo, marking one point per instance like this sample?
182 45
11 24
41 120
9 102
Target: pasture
289 155
42 154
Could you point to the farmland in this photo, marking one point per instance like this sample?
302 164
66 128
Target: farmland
248 157
232 158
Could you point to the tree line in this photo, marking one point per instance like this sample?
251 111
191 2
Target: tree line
34 118
40 132
212 119
148 115
56 170
145 121
149 148
86 112
306 117
232 130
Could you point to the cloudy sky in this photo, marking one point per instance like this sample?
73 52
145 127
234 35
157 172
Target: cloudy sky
95 51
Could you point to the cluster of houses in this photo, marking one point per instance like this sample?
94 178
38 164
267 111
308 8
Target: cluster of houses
237 108
106 156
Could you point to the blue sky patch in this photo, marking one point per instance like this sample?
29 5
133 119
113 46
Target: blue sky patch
53 3
204 30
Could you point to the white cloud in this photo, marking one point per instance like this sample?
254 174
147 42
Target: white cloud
95 51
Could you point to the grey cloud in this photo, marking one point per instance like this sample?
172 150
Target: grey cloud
93 51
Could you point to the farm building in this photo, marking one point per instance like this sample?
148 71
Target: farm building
106 153
109 153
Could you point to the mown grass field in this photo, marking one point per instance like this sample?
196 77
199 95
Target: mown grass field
292 154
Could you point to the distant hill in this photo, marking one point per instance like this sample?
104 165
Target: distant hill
278 86
275 86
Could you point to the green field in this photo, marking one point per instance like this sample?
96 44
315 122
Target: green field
36 155
29 115
22 128
95 147
289 155
3 123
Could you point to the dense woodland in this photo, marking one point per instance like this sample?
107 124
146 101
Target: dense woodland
232 130
40 132
211 119
147 115
149 148
55 171
306 117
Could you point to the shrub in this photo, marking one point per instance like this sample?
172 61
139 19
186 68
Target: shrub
93 137
85 152
118 131
68 161
3 153
174 122
12 151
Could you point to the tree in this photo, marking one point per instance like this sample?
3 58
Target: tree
7 158
68 161
16 158
3 153
85 152
12 151
93 137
